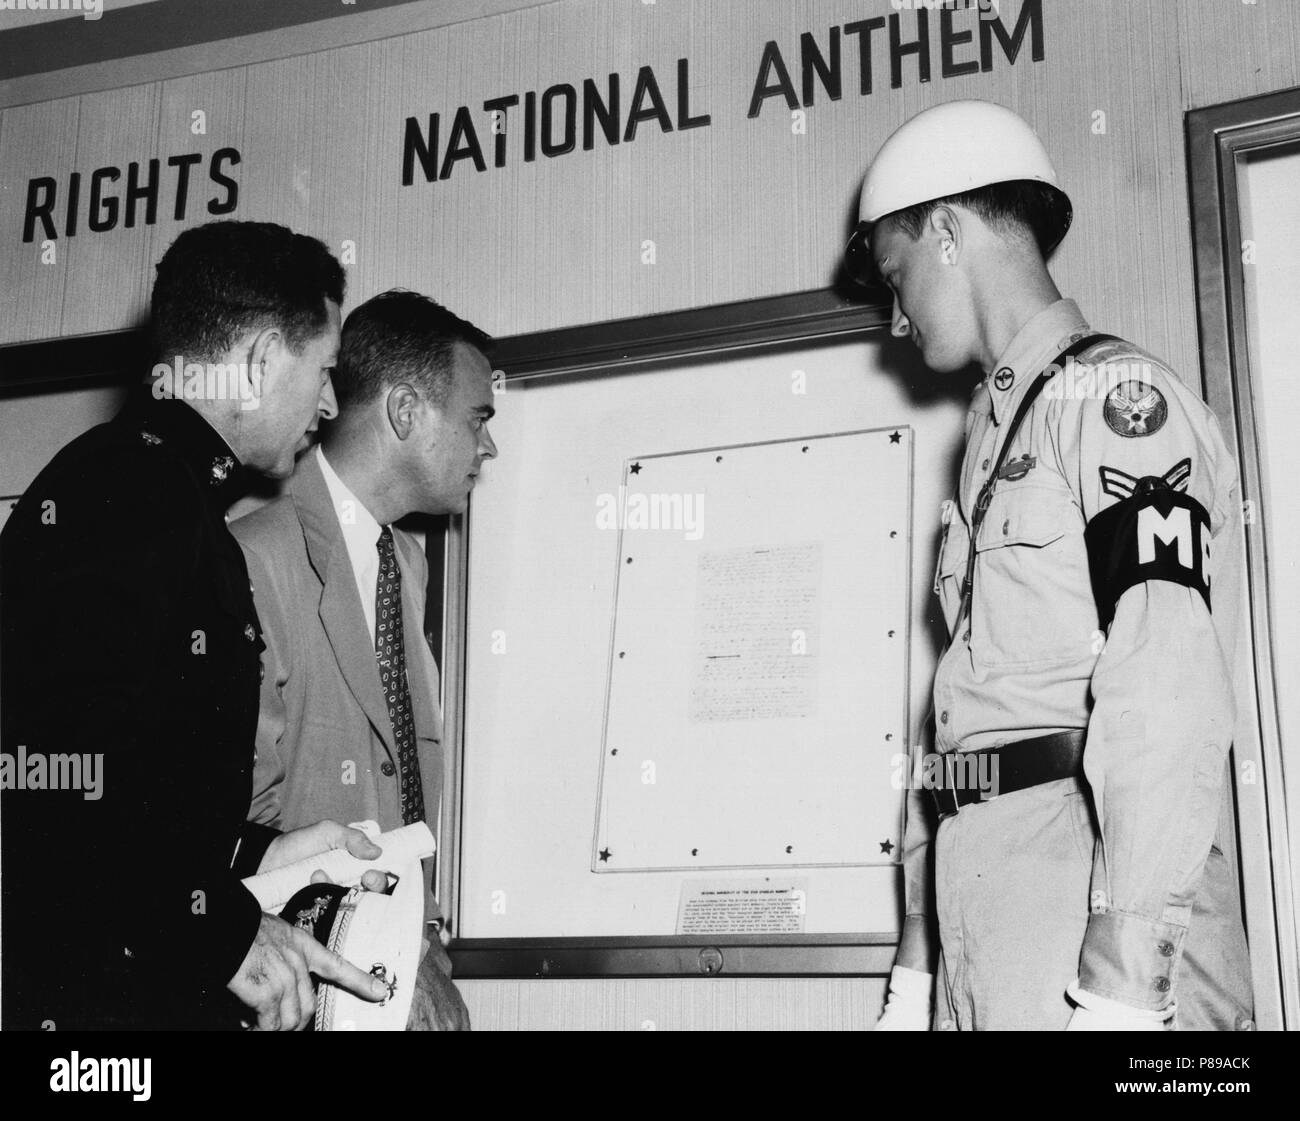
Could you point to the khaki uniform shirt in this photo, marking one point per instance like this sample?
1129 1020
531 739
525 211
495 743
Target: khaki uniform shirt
1153 691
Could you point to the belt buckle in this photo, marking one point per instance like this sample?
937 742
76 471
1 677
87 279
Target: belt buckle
943 798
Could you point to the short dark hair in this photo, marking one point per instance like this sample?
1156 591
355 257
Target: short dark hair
221 280
400 336
1024 205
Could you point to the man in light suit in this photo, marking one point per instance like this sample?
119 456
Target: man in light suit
350 727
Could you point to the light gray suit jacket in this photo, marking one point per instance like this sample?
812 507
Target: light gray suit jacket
325 745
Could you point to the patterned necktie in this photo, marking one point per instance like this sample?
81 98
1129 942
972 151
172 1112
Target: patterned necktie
390 650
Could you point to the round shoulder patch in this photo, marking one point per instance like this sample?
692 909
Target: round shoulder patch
1135 408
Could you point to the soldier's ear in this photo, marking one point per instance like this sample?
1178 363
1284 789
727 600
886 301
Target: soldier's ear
945 225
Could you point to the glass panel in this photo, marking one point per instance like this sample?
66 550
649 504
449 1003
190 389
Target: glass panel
543 578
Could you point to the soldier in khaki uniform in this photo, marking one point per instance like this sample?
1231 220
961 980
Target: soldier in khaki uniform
1084 578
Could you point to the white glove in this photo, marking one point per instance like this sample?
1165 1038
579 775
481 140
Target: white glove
907 1005
1096 1013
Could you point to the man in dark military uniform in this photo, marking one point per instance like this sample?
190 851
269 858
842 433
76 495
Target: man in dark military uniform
129 649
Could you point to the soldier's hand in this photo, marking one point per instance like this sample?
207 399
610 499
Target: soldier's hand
438 1005
1096 1013
274 980
908 1003
1085 1019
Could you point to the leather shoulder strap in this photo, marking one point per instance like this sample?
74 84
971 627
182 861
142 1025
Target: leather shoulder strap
1031 395
990 484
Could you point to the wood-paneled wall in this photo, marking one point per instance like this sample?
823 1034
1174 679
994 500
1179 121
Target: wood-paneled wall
1230 49
742 208
675 1005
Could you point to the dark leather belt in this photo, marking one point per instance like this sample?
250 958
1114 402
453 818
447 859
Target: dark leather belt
968 776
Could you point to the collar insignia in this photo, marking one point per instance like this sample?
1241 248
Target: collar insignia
221 468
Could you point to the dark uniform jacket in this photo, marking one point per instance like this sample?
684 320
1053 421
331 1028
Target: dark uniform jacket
128 632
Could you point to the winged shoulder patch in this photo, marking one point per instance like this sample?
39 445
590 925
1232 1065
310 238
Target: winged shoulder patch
1120 484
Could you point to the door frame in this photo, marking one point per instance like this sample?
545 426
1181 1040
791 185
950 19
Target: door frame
1219 137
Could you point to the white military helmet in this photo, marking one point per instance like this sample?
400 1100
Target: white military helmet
952 148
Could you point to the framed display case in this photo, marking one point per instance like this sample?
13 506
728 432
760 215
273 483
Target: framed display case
681 614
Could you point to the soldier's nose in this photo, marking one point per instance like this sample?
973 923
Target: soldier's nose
900 326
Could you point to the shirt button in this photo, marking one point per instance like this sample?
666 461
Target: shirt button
966 636
388 768
1245 1024
943 717
1166 949
984 466
947 1025
1161 984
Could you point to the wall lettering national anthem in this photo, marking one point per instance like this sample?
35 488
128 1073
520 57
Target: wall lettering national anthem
965 36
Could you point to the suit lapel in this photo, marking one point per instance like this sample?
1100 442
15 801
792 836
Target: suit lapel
340 608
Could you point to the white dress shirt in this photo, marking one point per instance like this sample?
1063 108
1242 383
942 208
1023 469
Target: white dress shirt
360 535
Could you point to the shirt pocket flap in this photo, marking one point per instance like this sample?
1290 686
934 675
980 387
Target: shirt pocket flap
1022 516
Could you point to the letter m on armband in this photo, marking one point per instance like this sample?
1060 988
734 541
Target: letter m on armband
1156 531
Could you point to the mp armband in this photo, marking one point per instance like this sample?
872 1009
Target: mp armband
1156 532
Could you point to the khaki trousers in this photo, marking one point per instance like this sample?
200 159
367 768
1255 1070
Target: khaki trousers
1012 884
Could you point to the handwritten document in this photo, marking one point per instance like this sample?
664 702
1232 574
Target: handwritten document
757 616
